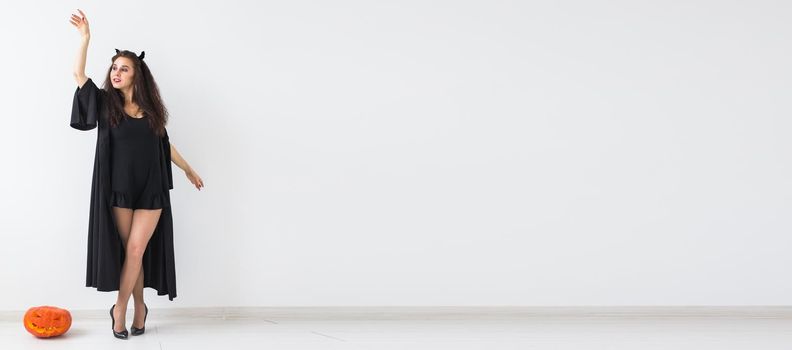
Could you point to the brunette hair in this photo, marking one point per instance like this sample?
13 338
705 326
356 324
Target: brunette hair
145 94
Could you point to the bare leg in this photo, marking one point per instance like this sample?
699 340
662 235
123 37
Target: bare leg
137 296
123 220
144 221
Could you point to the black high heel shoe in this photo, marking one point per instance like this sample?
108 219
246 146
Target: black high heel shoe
139 331
120 335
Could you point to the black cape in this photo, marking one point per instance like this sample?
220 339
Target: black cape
105 249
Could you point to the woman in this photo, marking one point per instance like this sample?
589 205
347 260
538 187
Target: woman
130 232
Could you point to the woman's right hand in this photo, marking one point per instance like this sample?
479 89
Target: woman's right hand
81 22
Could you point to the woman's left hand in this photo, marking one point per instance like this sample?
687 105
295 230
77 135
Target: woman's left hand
195 179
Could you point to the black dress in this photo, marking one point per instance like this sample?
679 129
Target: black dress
132 168
136 174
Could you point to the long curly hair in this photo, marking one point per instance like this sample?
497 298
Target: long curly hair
145 94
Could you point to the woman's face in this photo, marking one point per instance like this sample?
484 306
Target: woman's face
122 73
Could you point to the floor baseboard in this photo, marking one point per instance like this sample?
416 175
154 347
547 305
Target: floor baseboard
447 312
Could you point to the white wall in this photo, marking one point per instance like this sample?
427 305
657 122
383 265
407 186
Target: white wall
423 152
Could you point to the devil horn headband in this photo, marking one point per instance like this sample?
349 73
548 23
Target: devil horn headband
142 53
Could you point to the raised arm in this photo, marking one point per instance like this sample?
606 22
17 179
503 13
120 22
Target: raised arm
81 23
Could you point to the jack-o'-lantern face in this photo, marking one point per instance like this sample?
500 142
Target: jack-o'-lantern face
47 321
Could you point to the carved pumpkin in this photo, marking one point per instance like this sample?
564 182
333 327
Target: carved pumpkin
47 321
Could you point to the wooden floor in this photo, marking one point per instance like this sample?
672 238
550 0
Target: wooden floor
460 328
